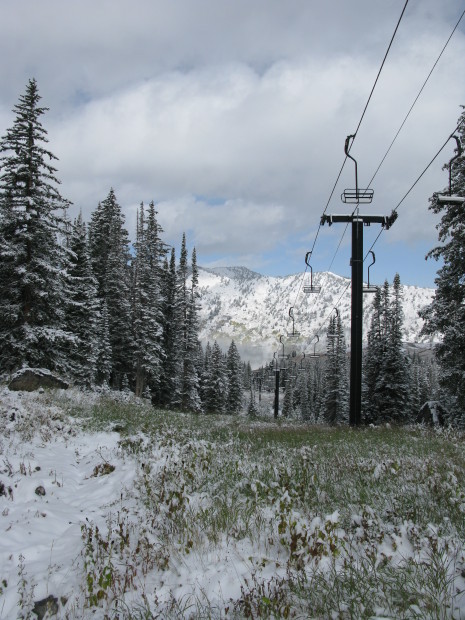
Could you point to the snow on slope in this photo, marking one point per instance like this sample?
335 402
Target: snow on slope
253 309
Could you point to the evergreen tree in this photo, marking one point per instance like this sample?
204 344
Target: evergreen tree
205 376
104 364
336 384
168 393
33 264
392 385
316 389
247 375
301 403
191 400
446 314
234 369
109 248
372 360
252 408
180 324
147 327
82 311
288 401
216 389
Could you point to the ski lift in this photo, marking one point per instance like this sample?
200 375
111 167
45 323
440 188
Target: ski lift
368 288
449 199
294 334
315 355
310 289
302 367
282 355
355 196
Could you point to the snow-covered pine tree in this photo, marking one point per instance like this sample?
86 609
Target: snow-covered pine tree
168 392
205 376
147 301
216 388
109 249
104 364
316 389
191 400
372 361
288 400
234 369
335 407
180 326
33 264
252 407
301 395
246 375
446 314
82 310
392 385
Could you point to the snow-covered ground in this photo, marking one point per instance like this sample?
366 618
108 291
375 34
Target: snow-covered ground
121 512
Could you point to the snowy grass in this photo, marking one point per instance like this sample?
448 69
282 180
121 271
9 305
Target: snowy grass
225 517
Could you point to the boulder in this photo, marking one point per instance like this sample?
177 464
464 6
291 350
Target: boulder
30 379
46 607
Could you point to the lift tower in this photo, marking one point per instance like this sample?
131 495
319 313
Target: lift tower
357 196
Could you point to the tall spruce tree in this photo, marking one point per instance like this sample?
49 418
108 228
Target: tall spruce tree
147 302
446 314
33 264
104 355
336 384
216 386
109 248
168 392
234 369
316 389
372 361
386 379
180 324
82 310
191 400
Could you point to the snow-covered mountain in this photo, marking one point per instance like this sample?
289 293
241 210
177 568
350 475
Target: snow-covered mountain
254 309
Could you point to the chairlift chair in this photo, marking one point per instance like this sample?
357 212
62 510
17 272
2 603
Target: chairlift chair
357 195
315 355
449 199
368 288
306 288
294 333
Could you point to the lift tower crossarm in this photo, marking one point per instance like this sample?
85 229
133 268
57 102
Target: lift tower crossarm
385 220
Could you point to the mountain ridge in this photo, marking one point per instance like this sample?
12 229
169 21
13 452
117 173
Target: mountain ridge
253 309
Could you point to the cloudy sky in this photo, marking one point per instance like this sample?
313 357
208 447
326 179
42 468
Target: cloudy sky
232 115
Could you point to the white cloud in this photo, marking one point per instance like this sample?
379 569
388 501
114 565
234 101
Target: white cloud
233 116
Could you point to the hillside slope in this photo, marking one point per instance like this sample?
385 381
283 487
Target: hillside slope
240 304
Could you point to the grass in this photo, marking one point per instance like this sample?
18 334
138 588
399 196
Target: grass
338 523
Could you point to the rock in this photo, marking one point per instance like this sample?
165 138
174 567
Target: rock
40 491
30 379
102 470
46 607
